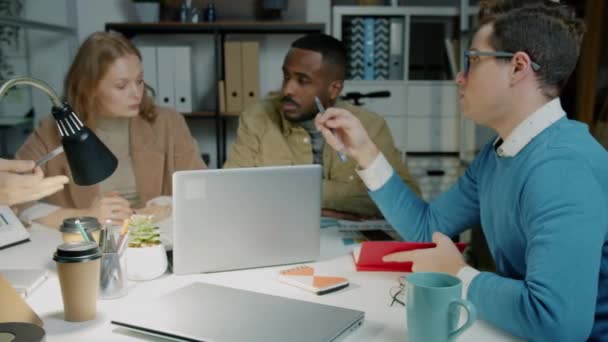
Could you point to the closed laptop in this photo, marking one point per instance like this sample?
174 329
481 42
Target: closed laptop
231 219
205 312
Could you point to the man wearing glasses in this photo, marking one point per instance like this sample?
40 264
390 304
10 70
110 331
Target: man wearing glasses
539 189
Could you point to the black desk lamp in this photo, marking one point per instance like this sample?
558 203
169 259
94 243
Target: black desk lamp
90 160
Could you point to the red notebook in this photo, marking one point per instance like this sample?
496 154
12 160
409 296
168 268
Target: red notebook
368 257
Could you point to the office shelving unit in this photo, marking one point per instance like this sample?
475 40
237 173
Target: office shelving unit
426 117
423 111
219 30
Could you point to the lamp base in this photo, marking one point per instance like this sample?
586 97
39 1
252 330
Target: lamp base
21 332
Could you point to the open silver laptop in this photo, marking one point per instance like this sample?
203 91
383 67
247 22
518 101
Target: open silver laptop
230 219
205 312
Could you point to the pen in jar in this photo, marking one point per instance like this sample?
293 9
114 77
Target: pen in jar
341 154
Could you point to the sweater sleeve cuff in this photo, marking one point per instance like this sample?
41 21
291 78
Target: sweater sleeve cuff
377 173
466 275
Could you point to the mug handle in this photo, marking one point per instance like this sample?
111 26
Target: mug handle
471 316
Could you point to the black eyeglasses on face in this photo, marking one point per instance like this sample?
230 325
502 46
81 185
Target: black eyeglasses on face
469 54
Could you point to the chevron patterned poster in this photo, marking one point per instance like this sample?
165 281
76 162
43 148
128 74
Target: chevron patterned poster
354 38
369 40
381 48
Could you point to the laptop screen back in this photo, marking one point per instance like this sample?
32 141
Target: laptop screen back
230 219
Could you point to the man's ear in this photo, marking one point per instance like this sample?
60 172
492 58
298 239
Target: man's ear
335 88
521 67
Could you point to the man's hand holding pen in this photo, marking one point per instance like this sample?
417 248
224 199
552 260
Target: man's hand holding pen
349 137
340 147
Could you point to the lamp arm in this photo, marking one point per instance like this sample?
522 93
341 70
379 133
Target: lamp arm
89 159
34 83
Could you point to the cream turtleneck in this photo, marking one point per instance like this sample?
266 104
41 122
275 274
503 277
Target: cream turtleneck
114 132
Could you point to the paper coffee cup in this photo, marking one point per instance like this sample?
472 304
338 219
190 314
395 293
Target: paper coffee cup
78 266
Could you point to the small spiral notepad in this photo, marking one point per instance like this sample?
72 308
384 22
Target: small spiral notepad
304 277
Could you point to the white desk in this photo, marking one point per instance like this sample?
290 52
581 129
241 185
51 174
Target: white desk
368 292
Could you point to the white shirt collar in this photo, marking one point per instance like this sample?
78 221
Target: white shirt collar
528 129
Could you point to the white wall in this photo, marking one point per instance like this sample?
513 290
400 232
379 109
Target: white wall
45 56
319 11
92 15
49 53
39 54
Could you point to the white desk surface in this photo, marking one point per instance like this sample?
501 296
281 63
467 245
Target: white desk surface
368 292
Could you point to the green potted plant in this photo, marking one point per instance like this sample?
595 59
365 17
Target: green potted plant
147 10
142 233
145 256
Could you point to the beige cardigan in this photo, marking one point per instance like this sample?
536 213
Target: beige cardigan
158 149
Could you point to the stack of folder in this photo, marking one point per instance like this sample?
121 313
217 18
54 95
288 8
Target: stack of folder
168 70
241 84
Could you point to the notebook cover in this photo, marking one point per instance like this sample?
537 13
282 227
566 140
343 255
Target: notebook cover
304 277
369 257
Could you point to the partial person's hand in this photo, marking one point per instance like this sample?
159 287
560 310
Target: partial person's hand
110 206
350 135
20 182
445 257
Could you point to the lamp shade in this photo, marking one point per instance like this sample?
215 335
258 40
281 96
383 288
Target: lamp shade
90 160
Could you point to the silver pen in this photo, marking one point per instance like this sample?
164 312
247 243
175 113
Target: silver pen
54 153
341 154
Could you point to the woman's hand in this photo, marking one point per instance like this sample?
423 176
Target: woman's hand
110 206
158 212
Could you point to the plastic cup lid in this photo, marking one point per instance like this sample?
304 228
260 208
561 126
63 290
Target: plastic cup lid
80 251
88 222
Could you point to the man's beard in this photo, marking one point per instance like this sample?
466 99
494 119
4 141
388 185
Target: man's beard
301 118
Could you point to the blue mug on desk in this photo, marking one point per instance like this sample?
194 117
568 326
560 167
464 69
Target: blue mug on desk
433 303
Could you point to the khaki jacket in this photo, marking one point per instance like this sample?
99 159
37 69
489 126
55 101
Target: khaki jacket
266 138
158 149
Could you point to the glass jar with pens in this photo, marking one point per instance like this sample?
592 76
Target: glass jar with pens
113 275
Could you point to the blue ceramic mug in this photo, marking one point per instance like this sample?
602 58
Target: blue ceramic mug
433 303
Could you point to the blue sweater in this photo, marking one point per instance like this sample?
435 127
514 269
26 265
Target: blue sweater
544 213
